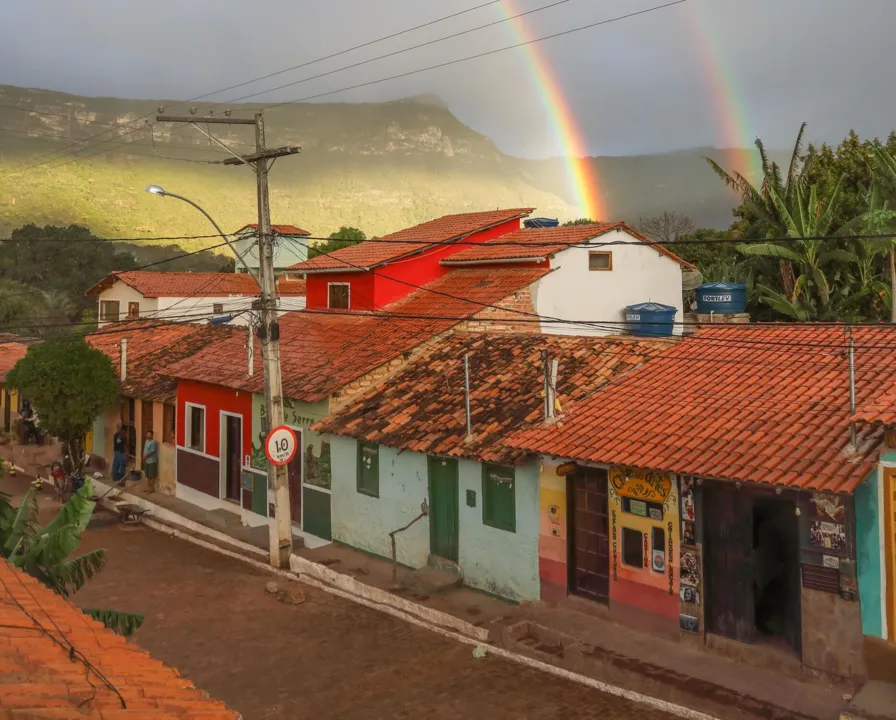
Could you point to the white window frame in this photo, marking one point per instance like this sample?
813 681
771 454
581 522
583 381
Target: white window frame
188 425
349 286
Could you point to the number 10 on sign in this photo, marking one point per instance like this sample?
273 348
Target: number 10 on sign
281 445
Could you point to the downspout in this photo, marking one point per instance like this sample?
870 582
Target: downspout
124 360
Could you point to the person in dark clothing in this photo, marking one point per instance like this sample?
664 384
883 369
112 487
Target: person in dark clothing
119 457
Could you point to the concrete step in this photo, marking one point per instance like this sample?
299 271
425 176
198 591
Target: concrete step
431 580
875 701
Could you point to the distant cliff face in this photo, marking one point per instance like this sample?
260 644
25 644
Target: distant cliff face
377 166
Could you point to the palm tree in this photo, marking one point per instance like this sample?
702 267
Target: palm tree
762 203
885 184
817 292
44 552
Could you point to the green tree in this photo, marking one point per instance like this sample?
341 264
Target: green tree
45 552
580 221
342 238
67 260
70 384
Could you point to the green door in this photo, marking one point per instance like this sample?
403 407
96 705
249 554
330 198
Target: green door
443 508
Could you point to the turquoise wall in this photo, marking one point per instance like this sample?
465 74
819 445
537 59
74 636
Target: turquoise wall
868 554
497 561
888 456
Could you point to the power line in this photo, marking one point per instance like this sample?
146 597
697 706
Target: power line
483 54
307 63
402 51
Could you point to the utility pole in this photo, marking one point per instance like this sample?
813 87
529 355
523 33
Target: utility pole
268 330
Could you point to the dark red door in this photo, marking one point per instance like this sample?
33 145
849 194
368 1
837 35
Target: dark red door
232 456
294 472
589 543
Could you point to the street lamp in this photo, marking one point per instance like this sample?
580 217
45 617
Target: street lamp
161 192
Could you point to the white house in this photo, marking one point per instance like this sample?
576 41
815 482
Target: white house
290 246
596 271
186 296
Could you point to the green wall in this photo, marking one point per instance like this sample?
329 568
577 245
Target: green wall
868 554
497 561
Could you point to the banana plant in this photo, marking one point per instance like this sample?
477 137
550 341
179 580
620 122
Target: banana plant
808 221
45 552
885 185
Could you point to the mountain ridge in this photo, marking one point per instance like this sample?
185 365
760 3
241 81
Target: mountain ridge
377 166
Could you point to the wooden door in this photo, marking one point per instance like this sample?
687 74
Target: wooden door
443 508
7 416
294 473
589 540
232 457
728 562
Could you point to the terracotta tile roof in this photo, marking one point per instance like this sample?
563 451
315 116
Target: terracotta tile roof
188 284
422 407
279 229
152 347
12 349
291 287
372 253
544 242
323 350
39 680
766 404
881 410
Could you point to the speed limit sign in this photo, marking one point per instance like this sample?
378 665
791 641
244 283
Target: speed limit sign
281 445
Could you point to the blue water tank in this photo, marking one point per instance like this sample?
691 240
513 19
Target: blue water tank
650 319
541 222
721 298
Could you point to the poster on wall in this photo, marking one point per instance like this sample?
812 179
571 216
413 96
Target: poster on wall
827 507
827 535
688 623
690 568
689 595
687 505
688 534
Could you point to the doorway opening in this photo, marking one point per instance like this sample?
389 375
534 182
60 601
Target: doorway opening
776 585
294 473
233 449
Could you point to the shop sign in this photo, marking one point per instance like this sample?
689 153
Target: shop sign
640 484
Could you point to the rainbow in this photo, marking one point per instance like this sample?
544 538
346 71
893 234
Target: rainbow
731 117
582 173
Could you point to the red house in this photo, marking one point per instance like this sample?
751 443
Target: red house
357 277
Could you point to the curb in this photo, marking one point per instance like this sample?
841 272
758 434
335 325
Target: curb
347 588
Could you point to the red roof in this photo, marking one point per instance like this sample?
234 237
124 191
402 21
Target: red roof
12 349
38 679
188 284
279 229
422 407
152 347
766 404
374 253
321 351
538 243
881 410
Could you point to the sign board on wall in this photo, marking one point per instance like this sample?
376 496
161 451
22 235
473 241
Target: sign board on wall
640 484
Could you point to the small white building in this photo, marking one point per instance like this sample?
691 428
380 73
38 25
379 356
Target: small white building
186 296
290 246
596 271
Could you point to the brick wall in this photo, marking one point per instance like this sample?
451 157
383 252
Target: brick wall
506 316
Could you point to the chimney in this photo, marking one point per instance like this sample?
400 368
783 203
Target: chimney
124 359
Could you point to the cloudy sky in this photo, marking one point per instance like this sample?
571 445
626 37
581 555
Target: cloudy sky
703 72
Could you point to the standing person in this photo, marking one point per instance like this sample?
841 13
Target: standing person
151 461
119 458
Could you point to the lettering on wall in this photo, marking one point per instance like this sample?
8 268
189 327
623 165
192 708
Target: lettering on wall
640 484
615 556
671 566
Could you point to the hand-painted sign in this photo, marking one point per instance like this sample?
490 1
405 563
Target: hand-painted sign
640 484
281 445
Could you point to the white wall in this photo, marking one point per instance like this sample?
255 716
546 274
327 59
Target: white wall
573 292
190 309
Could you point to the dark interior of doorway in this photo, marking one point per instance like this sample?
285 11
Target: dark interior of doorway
232 455
776 586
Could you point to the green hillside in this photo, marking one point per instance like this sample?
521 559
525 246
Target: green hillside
377 166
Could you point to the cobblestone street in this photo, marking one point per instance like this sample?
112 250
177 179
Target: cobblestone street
209 616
